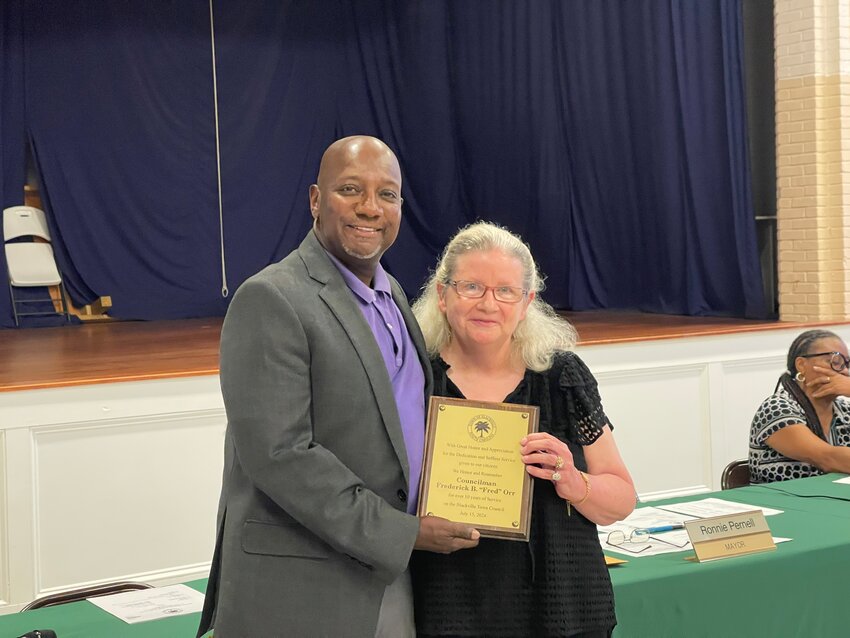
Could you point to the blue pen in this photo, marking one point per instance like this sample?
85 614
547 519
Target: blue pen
661 528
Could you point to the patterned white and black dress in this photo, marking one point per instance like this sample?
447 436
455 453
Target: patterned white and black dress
779 411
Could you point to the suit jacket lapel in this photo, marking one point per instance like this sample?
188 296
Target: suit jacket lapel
341 303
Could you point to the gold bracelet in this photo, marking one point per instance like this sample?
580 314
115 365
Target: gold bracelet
586 479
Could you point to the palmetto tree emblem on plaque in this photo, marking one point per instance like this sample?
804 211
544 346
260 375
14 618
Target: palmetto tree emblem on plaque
481 428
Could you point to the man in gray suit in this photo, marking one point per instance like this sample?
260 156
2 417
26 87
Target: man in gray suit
324 376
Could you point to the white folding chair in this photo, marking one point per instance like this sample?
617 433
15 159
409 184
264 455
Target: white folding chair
30 263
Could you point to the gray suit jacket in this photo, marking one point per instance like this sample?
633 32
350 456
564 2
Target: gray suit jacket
312 523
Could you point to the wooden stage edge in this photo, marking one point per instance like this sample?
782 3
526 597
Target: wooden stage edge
86 354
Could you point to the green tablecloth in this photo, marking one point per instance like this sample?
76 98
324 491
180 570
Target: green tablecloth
798 590
84 620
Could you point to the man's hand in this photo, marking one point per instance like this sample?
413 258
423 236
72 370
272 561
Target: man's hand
443 536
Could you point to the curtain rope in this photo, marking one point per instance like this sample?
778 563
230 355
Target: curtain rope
224 290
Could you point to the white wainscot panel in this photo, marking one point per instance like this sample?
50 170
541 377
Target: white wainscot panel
4 525
745 385
126 498
101 401
661 427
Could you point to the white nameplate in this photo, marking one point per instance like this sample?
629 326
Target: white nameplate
730 535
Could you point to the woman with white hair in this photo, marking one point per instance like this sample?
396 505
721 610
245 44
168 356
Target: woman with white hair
492 338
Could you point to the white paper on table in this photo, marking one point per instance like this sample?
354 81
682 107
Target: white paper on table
661 543
150 604
846 479
708 507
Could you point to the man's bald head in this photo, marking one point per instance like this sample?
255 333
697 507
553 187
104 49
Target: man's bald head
344 150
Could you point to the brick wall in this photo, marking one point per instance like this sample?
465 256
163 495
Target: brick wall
812 47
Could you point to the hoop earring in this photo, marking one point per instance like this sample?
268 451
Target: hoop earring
799 378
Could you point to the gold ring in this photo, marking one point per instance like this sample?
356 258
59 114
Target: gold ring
559 463
556 476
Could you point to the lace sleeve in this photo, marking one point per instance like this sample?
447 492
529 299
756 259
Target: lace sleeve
581 395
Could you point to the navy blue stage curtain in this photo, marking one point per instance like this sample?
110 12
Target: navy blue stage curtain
12 153
12 149
119 105
610 134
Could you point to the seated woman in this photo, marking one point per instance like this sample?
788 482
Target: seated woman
803 428
492 338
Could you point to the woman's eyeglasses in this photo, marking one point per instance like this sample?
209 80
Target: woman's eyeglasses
637 540
837 362
474 290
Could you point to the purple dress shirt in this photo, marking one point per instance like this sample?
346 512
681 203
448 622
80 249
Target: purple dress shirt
402 361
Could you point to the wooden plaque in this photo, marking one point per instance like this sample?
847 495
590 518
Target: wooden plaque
473 471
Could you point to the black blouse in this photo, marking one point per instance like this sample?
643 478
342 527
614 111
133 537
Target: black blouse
555 585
